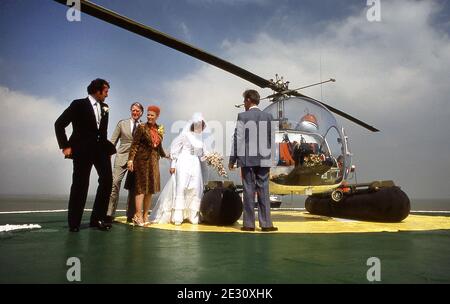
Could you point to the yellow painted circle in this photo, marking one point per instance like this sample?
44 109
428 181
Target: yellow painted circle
303 222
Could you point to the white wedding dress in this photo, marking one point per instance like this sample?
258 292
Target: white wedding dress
180 199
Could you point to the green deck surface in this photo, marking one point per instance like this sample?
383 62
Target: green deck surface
138 255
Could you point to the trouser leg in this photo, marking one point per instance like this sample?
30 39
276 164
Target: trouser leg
118 174
262 189
102 164
131 204
78 191
248 181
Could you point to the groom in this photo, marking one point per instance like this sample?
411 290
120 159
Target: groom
252 152
88 146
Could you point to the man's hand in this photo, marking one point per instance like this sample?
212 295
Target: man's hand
230 166
172 170
67 152
130 166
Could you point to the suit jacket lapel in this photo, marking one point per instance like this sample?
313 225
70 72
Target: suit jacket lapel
103 115
127 127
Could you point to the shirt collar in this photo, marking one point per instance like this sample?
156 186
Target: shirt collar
132 120
92 100
253 107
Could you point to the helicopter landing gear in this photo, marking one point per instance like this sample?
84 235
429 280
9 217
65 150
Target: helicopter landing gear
378 201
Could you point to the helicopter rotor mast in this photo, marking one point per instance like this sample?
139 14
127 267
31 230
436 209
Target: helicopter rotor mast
111 17
287 91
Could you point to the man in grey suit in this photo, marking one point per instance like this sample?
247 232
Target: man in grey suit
124 131
251 151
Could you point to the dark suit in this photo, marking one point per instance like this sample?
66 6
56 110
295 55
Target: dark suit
251 150
90 147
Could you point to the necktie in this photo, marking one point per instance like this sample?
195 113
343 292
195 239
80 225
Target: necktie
97 106
134 127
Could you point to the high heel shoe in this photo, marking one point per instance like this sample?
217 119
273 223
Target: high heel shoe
145 219
137 221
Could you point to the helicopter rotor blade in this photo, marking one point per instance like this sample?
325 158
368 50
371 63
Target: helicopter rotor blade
128 24
109 16
339 112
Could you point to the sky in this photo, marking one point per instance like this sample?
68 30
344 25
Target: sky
393 74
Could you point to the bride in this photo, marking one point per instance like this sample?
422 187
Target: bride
181 196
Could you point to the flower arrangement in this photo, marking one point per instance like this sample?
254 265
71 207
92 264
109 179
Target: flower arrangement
215 160
161 130
312 160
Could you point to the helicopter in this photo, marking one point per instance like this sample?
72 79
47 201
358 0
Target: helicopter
311 154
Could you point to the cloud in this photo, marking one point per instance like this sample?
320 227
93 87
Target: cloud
21 117
29 156
185 31
392 74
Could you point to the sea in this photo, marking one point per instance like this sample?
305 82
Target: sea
11 203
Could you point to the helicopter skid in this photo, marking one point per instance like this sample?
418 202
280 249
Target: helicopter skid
379 201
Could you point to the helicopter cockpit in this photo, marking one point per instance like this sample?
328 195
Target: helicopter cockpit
310 149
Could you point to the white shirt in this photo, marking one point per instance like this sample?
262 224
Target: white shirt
132 124
253 107
97 115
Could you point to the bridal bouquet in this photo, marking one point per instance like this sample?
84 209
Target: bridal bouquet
215 160
312 160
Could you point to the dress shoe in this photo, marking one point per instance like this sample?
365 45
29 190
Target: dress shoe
268 229
101 225
74 229
247 229
109 219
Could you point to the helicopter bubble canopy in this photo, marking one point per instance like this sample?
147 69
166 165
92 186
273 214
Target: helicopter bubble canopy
310 148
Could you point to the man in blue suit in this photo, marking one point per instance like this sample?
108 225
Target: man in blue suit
252 152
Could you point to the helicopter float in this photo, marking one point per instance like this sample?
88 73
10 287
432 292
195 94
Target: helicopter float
311 151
